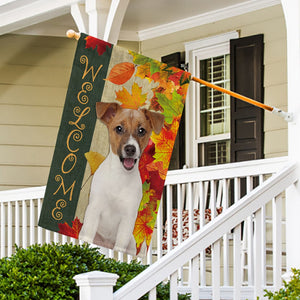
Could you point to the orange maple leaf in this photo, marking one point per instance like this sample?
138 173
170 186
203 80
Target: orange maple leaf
134 100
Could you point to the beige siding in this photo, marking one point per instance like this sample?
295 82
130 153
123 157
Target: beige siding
270 22
34 75
33 80
35 72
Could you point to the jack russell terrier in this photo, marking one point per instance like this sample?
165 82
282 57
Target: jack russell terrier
116 189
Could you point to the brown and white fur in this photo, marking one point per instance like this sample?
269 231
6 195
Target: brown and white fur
116 189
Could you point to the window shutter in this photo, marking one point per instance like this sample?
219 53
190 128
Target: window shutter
178 156
246 74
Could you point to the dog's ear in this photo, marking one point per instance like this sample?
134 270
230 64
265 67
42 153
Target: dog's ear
156 120
106 111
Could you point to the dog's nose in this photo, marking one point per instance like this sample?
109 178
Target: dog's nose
130 150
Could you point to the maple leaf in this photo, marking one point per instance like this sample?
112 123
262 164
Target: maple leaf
94 159
147 195
139 59
92 42
175 77
172 108
159 167
156 184
143 71
185 78
146 158
164 143
134 100
143 228
64 228
121 73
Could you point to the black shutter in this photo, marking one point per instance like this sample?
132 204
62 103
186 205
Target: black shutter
246 77
178 155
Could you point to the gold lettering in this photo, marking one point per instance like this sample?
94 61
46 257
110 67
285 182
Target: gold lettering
77 136
76 112
84 60
56 212
71 157
86 87
62 185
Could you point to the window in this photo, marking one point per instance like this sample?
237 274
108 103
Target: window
214 112
208 110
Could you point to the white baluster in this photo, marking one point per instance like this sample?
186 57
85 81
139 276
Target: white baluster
40 230
32 223
9 229
258 287
24 224
277 241
216 276
2 229
17 224
173 286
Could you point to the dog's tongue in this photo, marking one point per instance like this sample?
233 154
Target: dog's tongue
128 163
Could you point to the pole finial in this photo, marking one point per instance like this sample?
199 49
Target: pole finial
71 34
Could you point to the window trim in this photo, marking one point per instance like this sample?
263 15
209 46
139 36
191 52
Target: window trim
196 50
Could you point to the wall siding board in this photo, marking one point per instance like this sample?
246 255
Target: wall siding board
28 135
271 23
14 155
32 95
30 115
35 71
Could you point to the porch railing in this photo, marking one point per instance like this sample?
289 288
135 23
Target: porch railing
214 233
192 197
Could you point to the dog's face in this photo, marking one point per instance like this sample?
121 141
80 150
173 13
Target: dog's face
129 130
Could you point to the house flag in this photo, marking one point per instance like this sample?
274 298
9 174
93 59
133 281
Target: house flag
118 128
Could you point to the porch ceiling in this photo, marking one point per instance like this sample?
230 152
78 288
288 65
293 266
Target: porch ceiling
143 19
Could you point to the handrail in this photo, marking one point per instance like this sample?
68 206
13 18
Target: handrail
230 170
252 168
22 194
210 233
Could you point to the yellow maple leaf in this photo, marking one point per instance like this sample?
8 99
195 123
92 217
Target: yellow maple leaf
143 229
95 159
134 100
164 143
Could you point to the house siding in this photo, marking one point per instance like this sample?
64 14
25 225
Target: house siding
35 72
271 23
34 76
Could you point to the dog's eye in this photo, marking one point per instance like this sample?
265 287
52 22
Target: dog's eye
119 129
141 131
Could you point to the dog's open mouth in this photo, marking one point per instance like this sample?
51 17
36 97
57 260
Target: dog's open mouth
128 163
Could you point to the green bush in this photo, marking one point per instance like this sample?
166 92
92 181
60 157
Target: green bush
290 291
47 271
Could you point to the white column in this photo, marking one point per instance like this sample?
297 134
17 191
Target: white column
292 18
96 284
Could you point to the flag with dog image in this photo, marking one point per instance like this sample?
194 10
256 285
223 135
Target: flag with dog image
118 128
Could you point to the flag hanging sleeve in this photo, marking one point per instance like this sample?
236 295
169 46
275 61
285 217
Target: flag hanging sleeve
118 128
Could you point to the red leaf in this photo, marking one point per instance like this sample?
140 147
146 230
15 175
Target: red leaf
64 228
146 158
94 43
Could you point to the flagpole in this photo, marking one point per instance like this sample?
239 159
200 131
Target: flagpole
287 116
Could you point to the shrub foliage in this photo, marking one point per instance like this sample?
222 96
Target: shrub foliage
290 290
47 271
